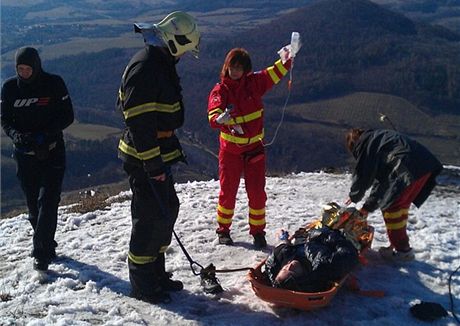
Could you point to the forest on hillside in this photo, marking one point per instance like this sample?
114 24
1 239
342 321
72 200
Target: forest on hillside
349 47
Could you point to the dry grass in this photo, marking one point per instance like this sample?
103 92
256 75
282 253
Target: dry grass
98 201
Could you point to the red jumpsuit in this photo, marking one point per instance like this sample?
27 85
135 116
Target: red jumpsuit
242 154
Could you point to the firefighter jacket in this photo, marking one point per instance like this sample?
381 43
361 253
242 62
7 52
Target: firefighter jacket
151 102
389 162
244 98
40 109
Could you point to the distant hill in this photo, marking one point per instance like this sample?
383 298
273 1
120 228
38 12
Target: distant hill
408 70
435 12
358 59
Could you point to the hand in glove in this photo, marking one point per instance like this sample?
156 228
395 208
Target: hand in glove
364 213
286 52
24 139
223 118
158 175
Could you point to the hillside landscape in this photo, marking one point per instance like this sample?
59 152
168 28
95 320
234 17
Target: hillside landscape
359 59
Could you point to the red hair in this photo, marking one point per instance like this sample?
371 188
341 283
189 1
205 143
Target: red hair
352 137
236 56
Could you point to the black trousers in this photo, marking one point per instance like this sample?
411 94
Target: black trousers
41 182
154 210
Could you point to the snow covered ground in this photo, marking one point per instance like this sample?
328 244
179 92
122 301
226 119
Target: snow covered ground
89 282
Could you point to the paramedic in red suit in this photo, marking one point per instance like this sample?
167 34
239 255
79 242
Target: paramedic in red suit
399 171
235 108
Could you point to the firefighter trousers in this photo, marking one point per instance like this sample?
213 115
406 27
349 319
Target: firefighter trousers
251 166
397 214
154 210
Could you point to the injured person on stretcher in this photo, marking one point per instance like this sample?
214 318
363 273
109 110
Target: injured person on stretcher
314 258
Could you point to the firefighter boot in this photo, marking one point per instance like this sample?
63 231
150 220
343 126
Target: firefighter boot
164 278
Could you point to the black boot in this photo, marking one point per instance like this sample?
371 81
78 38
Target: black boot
145 285
209 281
259 240
41 264
164 278
156 296
224 238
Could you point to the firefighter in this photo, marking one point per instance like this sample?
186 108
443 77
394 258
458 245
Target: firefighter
235 108
399 171
151 102
35 108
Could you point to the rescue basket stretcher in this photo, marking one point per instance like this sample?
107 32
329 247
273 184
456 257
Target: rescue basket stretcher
301 300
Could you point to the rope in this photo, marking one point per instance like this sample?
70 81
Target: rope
229 270
164 210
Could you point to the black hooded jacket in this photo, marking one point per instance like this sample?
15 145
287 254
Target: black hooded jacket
389 162
37 107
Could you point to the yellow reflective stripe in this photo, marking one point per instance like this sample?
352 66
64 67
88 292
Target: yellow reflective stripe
143 156
281 68
171 156
248 117
121 95
396 214
273 75
242 140
257 211
141 260
396 226
215 111
224 210
151 107
256 222
163 249
223 220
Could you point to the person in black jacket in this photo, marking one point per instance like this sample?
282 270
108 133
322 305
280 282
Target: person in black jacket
151 102
35 108
311 261
399 171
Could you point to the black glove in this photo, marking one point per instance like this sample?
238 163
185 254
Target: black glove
24 139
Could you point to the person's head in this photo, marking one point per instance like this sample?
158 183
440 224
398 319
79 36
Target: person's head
180 33
290 273
28 64
352 137
237 63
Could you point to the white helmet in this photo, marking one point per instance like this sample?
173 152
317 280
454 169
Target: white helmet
180 33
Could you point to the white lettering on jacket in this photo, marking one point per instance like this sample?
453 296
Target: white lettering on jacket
26 102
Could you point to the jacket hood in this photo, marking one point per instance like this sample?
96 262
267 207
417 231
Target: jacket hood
28 56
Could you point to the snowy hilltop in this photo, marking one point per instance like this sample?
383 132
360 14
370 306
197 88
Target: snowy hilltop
88 284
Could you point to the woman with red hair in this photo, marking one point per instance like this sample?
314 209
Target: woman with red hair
235 108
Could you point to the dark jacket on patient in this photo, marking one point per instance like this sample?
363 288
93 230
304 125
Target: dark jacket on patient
325 254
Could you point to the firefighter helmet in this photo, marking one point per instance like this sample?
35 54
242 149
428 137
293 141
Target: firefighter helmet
180 33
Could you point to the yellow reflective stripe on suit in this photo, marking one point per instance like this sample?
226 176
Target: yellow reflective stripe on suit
143 156
151 107
141 260
242 140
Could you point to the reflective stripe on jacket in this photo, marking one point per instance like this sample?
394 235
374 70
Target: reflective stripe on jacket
151 102
244 97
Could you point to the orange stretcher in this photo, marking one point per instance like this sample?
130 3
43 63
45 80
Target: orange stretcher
304 300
